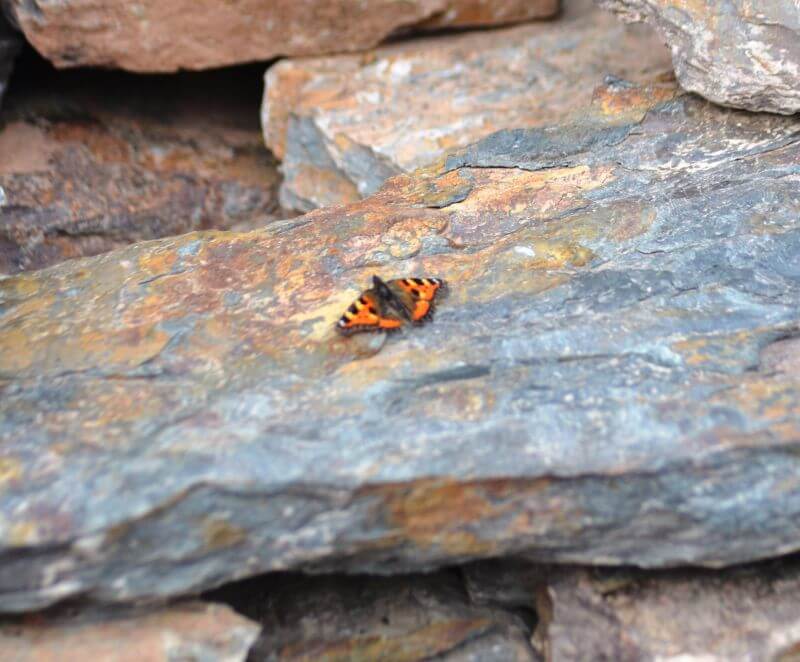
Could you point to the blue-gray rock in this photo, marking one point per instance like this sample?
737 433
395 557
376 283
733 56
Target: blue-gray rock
181 412
734 52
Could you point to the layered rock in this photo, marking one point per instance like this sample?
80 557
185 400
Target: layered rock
343 125
599 385
733 52
191 632
90 163
159 35
408 617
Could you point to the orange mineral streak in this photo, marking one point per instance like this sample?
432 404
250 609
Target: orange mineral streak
440 513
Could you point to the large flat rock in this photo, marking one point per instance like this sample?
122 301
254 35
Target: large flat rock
734 52
342 125
167 35
608 381
90 162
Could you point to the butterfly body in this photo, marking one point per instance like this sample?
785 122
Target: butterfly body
387 304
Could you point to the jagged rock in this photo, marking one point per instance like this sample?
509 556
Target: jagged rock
404 618
736 53
190 632
343 125
167 35
9 47
180 413
90 163
747 613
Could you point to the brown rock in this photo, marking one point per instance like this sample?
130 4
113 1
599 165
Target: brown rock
402 619
94 162
188 632
749 613
737 53
342 125
167 35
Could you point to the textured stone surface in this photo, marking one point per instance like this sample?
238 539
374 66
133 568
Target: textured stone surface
192 632
734 52
167 35
90 162
9 47
403 619
750 613
342 125
591 390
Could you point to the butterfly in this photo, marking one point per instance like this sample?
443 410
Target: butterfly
387 304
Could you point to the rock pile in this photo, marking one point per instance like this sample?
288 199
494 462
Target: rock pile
610 383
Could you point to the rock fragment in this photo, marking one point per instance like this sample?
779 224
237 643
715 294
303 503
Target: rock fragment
343 125
735 53
747 613
168 35
92 162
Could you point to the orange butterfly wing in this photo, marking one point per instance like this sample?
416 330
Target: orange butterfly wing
366 314
419 295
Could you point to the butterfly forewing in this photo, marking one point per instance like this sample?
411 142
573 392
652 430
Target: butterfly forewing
416 296
367 313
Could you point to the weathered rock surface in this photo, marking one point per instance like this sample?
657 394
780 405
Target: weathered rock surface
734 52
89 163
749 613
343 125
167 35
192 632
590 392
404 619
9 47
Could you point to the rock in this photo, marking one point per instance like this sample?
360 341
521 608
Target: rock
735 53
92 162
190 632
404 618
159 35
180 413
752 612
343 125
9 47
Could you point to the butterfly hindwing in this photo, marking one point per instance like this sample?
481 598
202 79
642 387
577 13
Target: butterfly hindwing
416 295
367 313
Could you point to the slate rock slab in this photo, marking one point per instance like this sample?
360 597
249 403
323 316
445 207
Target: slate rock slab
191 631
342 125
90 162
168 35
180 413
734 52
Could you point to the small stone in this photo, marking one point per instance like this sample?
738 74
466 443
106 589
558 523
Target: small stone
752 612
